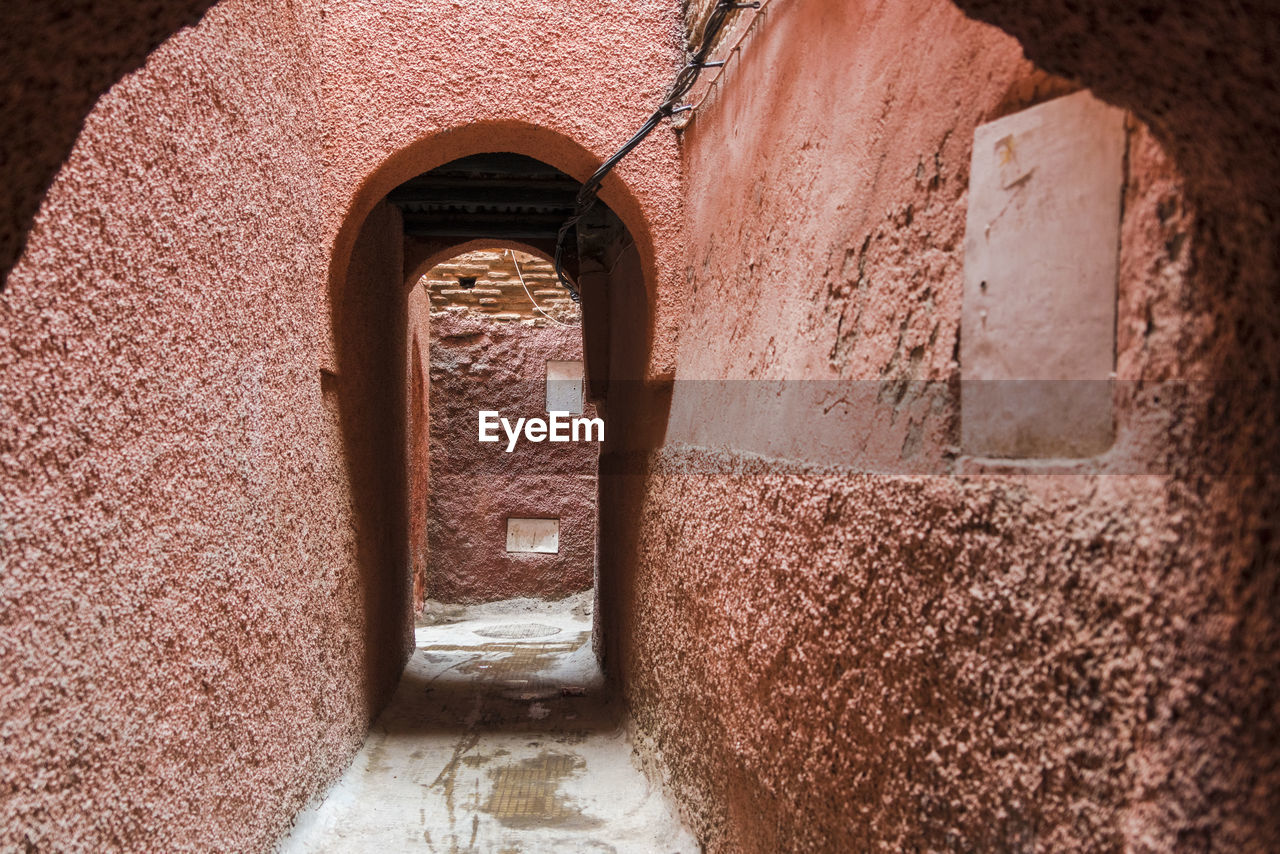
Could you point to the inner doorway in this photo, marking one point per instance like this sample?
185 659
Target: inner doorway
514 516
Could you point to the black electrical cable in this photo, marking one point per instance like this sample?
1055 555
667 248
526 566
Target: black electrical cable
586 198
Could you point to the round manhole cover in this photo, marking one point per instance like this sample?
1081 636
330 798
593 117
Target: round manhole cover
518 630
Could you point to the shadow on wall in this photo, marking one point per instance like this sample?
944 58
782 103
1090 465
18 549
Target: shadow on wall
1202 75
369 337
52 80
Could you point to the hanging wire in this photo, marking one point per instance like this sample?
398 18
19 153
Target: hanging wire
684 81
732 53
536 307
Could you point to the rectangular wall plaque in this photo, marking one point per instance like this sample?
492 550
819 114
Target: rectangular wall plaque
564 387
1037 342
537 536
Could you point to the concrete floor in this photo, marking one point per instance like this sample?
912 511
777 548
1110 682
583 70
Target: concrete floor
500 738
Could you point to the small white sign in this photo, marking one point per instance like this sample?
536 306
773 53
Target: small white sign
564 387
537 536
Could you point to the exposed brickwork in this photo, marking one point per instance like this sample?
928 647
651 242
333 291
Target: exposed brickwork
495 290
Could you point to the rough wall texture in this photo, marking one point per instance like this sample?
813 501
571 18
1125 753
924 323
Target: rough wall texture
59 56
181 627
480 363
203 534
839 661
203 538
566 83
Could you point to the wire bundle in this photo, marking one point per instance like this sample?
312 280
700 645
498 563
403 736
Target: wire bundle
586 198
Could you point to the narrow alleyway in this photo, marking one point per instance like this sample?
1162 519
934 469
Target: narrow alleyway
925 357
501 738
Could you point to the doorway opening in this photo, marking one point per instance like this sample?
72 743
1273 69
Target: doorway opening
514 517
487 564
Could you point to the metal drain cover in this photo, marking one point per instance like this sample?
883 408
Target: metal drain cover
518 630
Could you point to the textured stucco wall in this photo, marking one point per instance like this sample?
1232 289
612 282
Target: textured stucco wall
201 608
59 57
181 660
202 430
828 657
408 89
418 399
478 363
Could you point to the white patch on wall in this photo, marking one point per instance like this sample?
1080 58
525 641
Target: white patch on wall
537 536
1042 243
564 387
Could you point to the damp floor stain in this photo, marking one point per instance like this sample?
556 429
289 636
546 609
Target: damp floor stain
527 793
507 745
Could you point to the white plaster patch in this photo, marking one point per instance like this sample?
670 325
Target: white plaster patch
564 386
539 536
1041 254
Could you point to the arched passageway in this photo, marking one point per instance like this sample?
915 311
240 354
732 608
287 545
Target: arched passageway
497 556
829 638
493 199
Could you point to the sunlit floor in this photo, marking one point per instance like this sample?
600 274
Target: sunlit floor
500 738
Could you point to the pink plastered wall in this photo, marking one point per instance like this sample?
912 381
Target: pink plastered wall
837 639
200 610
181 641
500 366
565 83
418 433
203 439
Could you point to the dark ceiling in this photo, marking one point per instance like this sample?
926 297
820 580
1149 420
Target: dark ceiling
497 196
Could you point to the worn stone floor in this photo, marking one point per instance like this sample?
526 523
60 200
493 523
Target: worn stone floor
500 738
